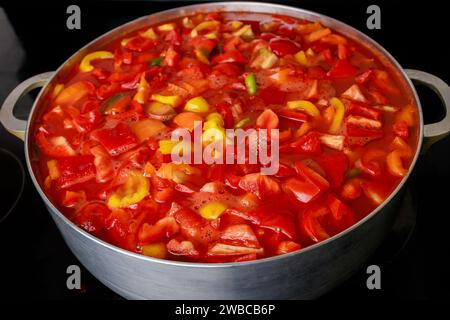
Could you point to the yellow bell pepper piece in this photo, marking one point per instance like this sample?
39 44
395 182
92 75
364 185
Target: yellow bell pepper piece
143 90
304 105
242 123
202 55
265 59
155 250
187 23
245 32
212 210
85 65
197 104
211 35
310 52
234 25
213 134
216 118
53 170
204 25
167 27
301 58
338 116
166 146
134 190
174 101
149 34
57 89
48 182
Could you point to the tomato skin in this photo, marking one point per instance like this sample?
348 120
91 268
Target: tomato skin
282 47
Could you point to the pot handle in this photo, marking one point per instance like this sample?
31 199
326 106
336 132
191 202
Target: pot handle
16 126
434 132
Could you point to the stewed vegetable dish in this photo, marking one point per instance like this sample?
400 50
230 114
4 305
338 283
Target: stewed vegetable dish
347 133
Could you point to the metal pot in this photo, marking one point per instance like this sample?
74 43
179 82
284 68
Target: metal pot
304 274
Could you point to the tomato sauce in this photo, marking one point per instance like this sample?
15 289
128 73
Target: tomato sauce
348 133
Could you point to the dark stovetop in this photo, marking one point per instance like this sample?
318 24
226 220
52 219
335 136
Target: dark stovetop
414 259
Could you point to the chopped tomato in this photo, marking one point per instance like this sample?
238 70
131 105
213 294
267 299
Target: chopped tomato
116 140
262 186
92 217
74 170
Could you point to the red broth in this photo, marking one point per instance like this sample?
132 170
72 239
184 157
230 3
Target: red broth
348 133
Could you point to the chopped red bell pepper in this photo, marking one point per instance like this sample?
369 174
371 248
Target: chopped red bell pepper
200 42
342 69
92 217
228 69
401 129
282 47
232 56
116 140
360 109
341 215
183 248
304 191
287 246
272 95
310 223
308 144
164 227
54 147
335 166
74 170
174 37
312 176
225 110
364 77
260 185
292 115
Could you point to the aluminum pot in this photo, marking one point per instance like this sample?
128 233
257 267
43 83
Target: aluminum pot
307 273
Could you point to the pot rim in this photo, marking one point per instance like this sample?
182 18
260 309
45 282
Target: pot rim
246 7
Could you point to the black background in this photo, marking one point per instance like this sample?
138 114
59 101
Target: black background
33 257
